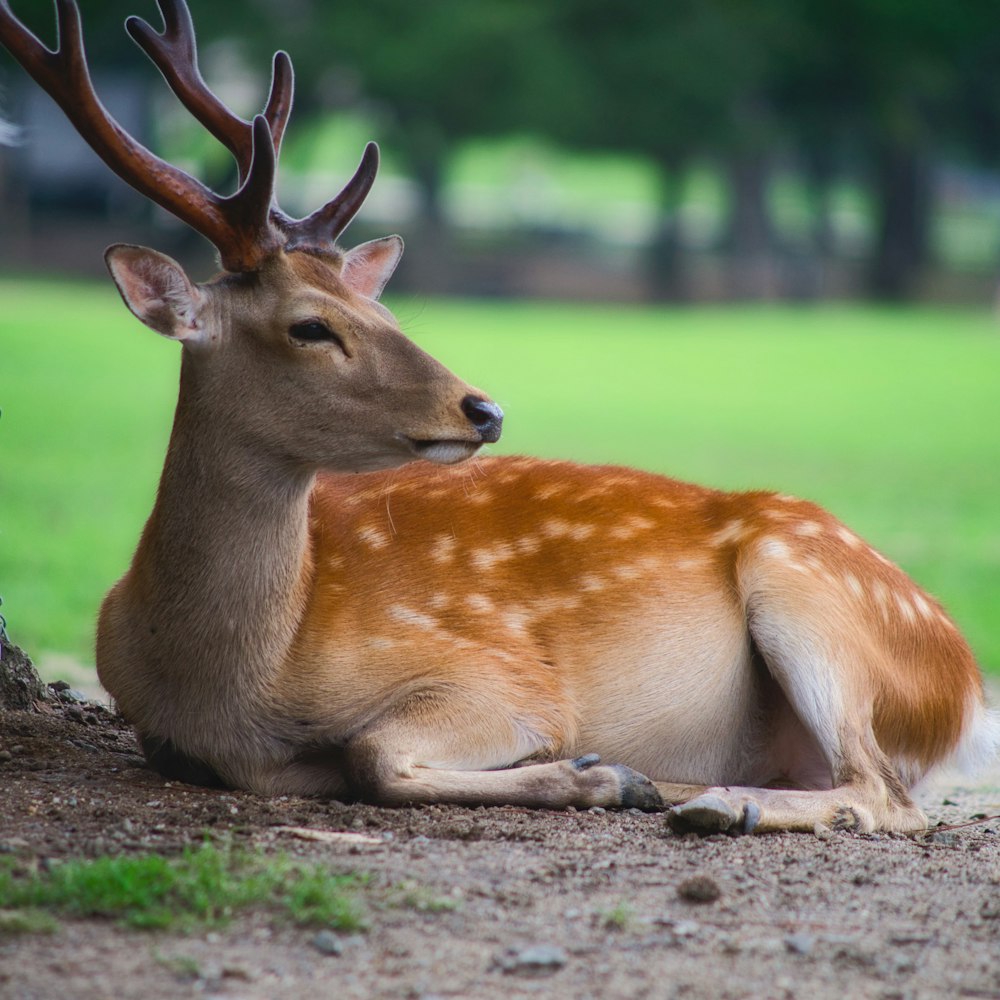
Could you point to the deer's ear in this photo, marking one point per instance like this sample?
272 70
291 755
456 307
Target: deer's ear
157 291
368 267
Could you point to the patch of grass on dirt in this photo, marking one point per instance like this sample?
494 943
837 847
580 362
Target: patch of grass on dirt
205 886
411 896
618 918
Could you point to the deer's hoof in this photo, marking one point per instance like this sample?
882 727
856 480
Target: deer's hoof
638 792
706 814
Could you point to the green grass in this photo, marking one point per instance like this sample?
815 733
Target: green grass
207 886
891 418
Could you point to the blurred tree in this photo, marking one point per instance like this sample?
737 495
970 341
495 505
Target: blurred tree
676 82
438 72
880 82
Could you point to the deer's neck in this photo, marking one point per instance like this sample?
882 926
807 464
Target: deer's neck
220 578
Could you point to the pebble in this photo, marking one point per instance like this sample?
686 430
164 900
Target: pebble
800 944
327 943
699 889
536 960
947 838
6 755
597 810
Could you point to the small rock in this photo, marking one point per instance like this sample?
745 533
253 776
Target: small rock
597 810
537 960
74 712
699 889
357 823
947 838
6 755
15 750
800 944
327 943
58 686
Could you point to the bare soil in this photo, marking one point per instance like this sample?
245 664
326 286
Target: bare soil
502 902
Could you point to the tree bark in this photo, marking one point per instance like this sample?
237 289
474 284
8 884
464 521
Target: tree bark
664 273
750 239
903 198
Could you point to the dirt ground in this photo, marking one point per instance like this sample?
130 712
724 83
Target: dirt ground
503 902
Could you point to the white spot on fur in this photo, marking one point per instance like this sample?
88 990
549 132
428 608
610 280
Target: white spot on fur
663 503
731 532
486 559
515 620
631 526
381 642
480 604
549 490
407 616
848 537
556 527
905 608
373 537
785 498
920 603
590 582
628 572
807 529
775 548
443 549
853 584
528 545
439 601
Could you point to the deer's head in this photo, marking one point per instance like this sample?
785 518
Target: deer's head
289 346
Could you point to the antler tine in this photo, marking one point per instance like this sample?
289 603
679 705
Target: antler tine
327 223
239 226
175 53
252 202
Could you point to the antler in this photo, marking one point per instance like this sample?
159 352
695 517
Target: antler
246 226
175 54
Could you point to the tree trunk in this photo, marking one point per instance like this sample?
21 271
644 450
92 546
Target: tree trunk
750 239
903 196
664 274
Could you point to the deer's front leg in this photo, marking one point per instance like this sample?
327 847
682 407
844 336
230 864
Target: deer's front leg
449 748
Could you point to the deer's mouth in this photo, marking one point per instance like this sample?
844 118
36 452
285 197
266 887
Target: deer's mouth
443 451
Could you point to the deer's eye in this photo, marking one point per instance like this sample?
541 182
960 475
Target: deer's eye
313 331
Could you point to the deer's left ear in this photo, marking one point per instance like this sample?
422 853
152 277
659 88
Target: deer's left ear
157 291
368 267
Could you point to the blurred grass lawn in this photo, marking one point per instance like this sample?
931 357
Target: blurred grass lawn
889 417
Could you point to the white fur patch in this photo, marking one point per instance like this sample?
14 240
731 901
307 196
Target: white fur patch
373 537
979 744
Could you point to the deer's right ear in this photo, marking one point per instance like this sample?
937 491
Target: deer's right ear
157 291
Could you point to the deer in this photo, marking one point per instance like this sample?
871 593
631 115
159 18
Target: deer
325 601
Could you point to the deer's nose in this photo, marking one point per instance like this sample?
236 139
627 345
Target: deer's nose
485 416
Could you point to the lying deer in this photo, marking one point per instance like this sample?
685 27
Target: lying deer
298 620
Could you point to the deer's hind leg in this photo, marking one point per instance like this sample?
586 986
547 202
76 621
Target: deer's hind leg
452 746
823 663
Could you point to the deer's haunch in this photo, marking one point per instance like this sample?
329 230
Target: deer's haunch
307 613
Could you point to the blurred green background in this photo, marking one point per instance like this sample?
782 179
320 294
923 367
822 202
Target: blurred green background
754 245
